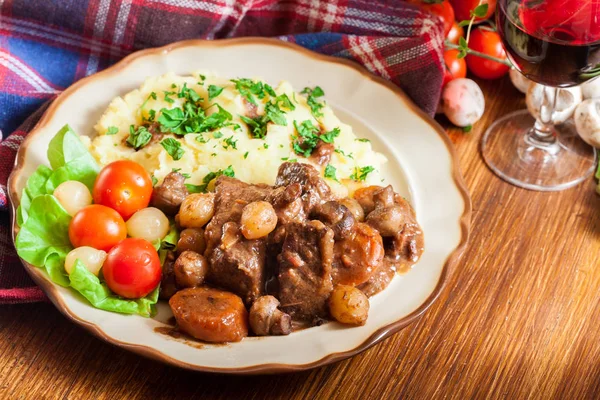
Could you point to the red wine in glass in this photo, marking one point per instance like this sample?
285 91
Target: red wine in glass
553 42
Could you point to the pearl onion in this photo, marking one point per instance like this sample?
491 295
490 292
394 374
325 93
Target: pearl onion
73 196
89 256
148 223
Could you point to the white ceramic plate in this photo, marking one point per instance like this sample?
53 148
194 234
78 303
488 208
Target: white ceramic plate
422 166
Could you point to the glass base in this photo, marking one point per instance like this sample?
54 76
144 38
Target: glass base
509 151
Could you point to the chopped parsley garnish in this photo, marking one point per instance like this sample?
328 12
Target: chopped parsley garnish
208 178
349 155
154 180
246 155
213 155
214 91
217 135
173 147
191 118
360 173
152 96
229 142
328 137
258 125
249 88
269 90
184 174
189 94
289 159
151 115
216 120
168 99
112 130
139 137
274 113
284 101
202 78
308 139
173 86
258 130
172 120
265 146
330 172
201 139
311 100
363 140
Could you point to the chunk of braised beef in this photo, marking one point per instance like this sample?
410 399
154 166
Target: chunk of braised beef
168 284
305 266
169 195
322 153
314 189
336 216
235 263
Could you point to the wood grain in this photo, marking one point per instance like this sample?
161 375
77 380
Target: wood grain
519 317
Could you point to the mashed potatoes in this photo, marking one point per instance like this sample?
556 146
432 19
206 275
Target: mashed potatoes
231 143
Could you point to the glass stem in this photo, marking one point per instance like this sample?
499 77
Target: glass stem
542 134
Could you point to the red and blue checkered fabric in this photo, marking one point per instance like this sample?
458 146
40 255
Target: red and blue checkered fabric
45 45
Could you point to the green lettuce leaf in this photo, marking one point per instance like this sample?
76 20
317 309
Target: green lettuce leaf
43 238
65 147
55 267
100 296
45 233
70 160
35 186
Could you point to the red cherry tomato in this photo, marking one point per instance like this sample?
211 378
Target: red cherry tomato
124 186
456 32
97 226
443 10
455 67
487 42
132 268
462 9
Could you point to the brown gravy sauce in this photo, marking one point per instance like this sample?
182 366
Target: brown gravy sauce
174 333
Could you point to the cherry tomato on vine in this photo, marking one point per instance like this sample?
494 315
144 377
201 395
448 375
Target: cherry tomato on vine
442 9
454 67
132 268
124 186
456 32
487 42
463 8
97 226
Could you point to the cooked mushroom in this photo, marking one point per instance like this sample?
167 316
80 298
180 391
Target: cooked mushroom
591 89
564 106
266 319
587 121
191 239
387 220
463 102
190 269
336 216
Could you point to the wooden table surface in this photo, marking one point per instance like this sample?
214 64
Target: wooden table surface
519 318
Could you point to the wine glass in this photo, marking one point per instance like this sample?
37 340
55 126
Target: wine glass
555 43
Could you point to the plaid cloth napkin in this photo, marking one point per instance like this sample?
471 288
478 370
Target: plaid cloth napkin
47 45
